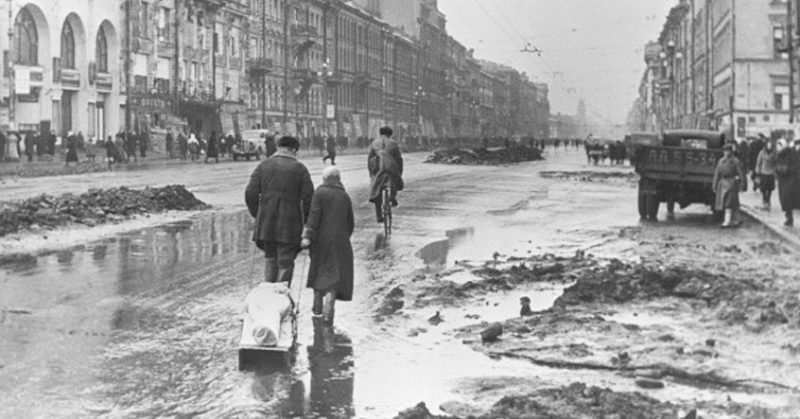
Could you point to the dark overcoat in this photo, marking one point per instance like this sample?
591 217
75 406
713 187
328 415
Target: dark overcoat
787 170
329 227
279 197
729 179
384 162
212 150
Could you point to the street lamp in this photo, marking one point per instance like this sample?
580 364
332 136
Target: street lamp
324 74
419 94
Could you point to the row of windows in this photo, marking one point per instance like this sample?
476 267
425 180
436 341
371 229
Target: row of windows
26 44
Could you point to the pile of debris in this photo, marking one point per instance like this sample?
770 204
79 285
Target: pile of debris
482 156
94 207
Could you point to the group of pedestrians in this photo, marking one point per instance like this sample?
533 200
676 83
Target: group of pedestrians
771 164
290 216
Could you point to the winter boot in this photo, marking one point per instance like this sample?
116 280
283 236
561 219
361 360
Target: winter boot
271 270
727 222
316 308
736 220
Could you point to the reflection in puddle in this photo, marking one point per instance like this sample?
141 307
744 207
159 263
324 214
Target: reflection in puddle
435 254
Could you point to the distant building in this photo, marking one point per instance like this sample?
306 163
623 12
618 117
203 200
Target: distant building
719 65
61 69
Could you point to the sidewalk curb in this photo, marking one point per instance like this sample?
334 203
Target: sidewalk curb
778 230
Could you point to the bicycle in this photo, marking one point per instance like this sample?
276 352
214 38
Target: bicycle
386 209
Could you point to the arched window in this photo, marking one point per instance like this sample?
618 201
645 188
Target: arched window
26 39
67 46
101 52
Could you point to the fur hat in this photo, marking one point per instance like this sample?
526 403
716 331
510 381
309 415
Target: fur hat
290 142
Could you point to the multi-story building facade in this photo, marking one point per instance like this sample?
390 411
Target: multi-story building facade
722 64
60 68
304 67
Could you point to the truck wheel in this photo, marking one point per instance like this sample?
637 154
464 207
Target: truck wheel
642 204
652 207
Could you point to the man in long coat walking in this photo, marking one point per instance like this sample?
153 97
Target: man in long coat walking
729 179
787 171
279 197
327 233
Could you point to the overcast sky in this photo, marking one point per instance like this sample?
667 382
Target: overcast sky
590 48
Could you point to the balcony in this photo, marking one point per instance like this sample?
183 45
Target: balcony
362 78
69 77
141 45
303 37
104 82
259 66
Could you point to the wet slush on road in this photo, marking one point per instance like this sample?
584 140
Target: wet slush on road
629 318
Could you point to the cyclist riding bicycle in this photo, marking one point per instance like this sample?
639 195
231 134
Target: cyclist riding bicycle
385 165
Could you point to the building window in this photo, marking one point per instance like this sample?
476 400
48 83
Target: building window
26 39
780 95
779 41
101 51
163 24
67 46
144 20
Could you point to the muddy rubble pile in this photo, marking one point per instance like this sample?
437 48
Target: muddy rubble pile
482 156
574 401
593 176
97 206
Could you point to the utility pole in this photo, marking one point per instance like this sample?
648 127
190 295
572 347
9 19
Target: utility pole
11 86
262 56
127 69
790 47
286 50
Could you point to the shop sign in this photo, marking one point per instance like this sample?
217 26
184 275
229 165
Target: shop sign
22 81
150 102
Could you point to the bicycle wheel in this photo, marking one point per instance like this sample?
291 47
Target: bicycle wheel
386 210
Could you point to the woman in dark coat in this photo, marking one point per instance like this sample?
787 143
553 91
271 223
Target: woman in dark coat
212 151
787 170
327 232
72 148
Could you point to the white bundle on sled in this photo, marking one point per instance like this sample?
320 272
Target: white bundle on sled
269 317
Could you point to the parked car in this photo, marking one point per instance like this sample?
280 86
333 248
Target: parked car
251 145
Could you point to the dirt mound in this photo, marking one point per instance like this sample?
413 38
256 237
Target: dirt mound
574 401
482 156
94 207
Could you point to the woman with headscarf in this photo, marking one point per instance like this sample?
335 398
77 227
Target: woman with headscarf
787 170
327 233
729 179
764 171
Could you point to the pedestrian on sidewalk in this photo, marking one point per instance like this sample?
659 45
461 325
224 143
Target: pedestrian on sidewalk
111 151
212 149
729 179
183 146
330 145
90 149
327 234
765 172
279 198
30 141
72 148
144 139
787 170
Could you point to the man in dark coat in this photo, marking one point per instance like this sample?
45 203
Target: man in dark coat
279 197
327 233
30 144
385 165
787 170
2 147
729 179
212 150
755 149
269 145
170 144
330 145
144 139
